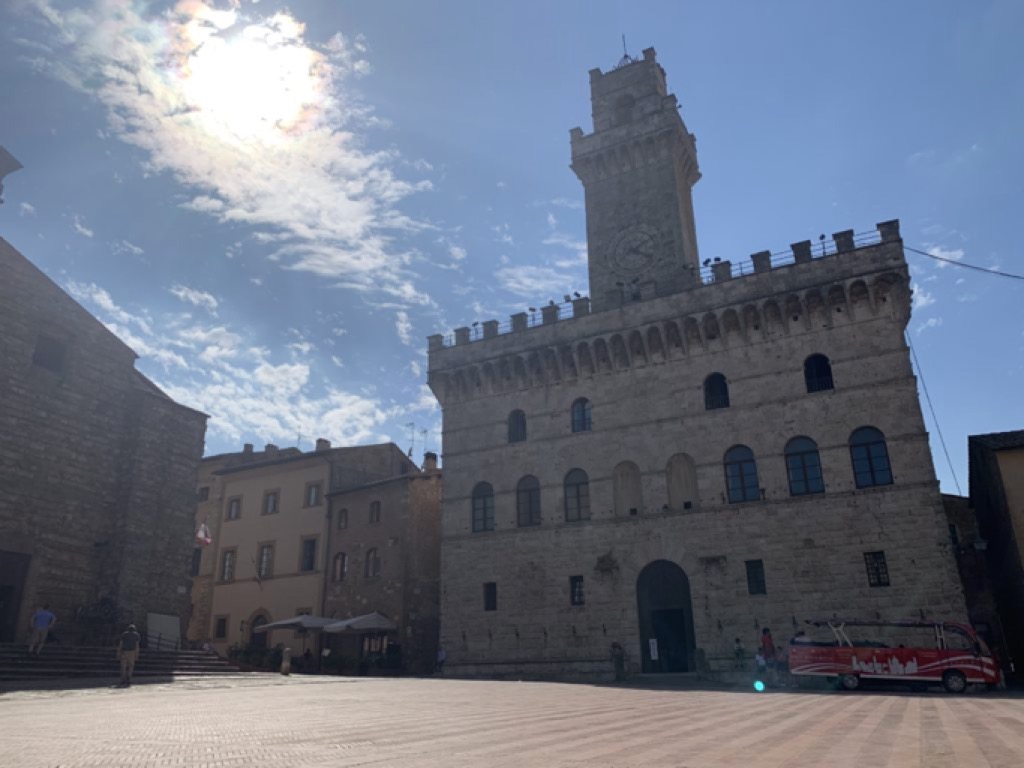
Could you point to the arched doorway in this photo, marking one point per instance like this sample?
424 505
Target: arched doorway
257 639
666 618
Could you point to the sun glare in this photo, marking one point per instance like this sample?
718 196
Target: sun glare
257 83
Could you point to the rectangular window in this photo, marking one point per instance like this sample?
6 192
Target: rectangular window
234 508
491 596
50 353
220 628
342 519
227 565
755 578
576 594
375 512
197 559
265 562
313 495
307 561
878 571
270 502
204 493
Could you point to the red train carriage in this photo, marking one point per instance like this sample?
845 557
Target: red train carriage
913 651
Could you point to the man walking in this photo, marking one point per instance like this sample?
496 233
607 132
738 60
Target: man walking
42 621
128 652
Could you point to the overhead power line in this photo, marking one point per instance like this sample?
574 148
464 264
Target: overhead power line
965 265
924 386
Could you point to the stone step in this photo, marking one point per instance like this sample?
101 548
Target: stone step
60 674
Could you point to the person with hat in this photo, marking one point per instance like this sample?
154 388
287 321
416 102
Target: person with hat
128 652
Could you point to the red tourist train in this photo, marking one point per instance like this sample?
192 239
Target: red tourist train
918 652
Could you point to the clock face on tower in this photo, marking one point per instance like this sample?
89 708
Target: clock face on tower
634 250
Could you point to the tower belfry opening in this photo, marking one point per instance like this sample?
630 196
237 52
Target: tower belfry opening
637 167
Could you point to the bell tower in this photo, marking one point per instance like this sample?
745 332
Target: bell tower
638 168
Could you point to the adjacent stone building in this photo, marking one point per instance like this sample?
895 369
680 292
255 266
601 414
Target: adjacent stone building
98 469
384 555
275 535
997 495
701 452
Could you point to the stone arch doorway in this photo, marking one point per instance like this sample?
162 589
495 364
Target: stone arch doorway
666 618
258 639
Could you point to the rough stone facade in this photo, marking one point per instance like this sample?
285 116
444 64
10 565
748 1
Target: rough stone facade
98 468
403 545
664 564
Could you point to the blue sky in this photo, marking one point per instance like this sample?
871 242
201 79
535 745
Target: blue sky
274 204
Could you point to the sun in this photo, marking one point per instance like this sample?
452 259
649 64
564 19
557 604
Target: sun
254 82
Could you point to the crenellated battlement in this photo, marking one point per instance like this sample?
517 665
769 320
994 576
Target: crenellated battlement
713 273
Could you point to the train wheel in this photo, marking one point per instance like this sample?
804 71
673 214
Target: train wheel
849 682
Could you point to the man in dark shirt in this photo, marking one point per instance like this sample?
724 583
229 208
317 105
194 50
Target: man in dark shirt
128 652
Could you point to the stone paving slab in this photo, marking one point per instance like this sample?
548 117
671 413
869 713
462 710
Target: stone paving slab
318 721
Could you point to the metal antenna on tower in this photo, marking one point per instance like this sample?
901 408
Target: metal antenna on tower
626 58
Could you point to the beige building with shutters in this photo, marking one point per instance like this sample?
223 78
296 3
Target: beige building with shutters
699 451
268 517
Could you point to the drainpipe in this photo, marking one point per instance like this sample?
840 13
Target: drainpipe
327 560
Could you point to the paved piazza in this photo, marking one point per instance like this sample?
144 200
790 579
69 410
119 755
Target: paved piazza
271 721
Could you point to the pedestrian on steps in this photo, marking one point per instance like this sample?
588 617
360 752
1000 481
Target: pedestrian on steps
128 652
42 622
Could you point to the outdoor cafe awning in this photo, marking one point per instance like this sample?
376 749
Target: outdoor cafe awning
370 622
297 622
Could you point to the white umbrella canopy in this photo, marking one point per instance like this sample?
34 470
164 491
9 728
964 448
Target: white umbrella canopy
370 622
297 622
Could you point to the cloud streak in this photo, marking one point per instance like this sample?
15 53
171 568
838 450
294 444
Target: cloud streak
258 121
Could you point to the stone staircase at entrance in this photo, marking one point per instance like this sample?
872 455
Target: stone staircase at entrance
57 662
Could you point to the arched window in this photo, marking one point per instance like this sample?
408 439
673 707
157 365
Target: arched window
803 466
528 501
516 427
627 490
374 512
483 508
870 458
741 475
340 566
577 496
342 519
581 415
818 373
371 567
716 392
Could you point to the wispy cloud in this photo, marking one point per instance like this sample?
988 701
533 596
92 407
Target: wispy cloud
931 322
123 246
403 326
533 282
256 119
951 254
219 370
196 298
26 209
922 298
79 225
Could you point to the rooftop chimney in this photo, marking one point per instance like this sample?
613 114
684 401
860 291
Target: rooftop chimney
322 444
430 462
271 451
